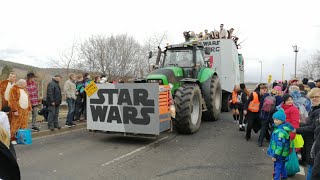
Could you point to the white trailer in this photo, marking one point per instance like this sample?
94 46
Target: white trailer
228 64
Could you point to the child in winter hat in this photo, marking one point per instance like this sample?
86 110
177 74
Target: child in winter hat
279 147
279 115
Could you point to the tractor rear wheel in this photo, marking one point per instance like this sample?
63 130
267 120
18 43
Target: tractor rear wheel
225 102
213 100
188 109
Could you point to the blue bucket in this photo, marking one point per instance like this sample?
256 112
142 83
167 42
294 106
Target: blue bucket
23 136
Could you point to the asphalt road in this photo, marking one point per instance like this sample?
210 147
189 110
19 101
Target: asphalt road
218 151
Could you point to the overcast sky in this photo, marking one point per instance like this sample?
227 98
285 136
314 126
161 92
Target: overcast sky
32 31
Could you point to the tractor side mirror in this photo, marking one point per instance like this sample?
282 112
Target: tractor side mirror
207 50
150 55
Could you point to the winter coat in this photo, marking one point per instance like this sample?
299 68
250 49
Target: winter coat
279 146
278 100
242 96
293 116
316 151
9 168
299 100
284 86
54 93
307 131
70 89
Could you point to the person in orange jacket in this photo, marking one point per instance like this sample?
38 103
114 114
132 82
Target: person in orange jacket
252 108
234 103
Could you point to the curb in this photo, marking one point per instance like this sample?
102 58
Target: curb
47 132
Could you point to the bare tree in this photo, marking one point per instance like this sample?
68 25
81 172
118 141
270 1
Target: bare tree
311 67
68 58
113 56
150 45
94 53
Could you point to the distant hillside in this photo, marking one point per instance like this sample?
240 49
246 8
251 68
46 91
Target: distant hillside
44 74
23 69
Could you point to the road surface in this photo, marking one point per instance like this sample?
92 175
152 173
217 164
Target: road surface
218 151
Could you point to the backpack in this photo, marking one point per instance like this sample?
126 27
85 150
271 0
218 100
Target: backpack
239 97
303 113
269 104
302 103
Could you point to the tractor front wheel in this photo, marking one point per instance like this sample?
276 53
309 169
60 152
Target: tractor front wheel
188 109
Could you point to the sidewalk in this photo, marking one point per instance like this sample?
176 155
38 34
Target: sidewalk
44 131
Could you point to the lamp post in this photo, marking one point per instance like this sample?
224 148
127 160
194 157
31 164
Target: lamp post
282 72
295 50
261 72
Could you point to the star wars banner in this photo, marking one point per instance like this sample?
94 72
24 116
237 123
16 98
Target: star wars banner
128 107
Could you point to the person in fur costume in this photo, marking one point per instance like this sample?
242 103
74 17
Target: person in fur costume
20 107
5 87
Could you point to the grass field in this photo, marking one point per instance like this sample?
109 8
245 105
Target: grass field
62 115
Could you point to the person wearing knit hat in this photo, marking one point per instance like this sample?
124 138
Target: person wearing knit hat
279 147
277 88
279 115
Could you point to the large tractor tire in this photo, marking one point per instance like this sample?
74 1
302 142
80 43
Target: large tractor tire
188 109
225 102
213 99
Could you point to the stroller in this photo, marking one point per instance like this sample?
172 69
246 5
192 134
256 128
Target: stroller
44 110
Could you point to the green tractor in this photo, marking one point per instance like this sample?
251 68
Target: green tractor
196 88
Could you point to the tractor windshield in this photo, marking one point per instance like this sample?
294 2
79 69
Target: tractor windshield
178 57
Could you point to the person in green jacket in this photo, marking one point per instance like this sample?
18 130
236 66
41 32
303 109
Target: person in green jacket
279 147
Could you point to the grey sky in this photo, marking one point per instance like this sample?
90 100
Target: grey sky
35 29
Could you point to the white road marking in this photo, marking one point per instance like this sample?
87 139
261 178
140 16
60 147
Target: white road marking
301 171
132 152
57 134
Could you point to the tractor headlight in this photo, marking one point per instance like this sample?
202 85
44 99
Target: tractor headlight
159 81
171 86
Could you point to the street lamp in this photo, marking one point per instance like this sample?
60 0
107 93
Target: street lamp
295 50
261 72
282 72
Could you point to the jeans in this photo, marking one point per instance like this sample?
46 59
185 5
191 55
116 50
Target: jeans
309 174
264 132
78 108
34 115
53 116
71 108
280 171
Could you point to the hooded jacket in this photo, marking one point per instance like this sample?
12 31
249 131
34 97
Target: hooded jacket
279 146
293 116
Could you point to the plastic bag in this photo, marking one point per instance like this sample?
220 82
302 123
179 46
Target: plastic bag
298 141
292 165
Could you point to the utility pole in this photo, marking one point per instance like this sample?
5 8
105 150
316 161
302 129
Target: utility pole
295 50
261 72
282 72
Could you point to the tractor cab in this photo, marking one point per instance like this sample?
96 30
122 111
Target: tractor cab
179 62
187 55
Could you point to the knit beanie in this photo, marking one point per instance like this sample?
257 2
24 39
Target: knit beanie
277 88
280 115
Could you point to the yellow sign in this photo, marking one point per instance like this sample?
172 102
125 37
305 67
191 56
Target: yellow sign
91 88
269 78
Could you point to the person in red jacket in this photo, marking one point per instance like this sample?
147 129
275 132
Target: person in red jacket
292 113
